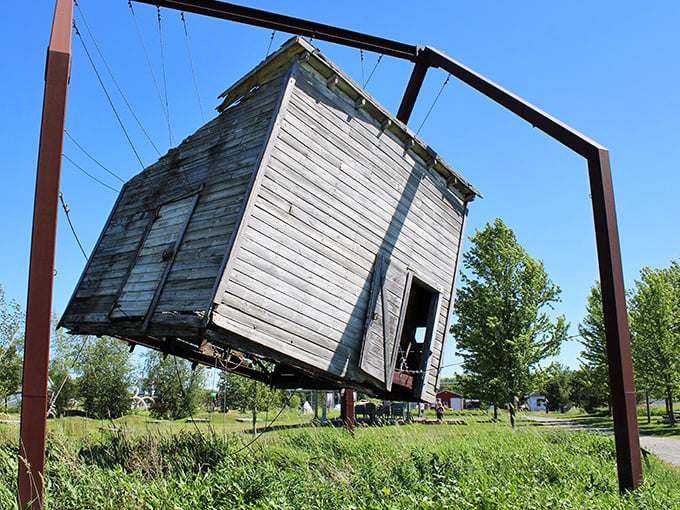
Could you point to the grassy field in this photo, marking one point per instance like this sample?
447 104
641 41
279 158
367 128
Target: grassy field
602 419
134 464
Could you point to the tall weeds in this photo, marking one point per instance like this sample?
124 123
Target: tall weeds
391 467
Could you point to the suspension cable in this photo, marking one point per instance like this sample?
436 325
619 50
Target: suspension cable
92 157
363 79
193 71
89 174
256 437
68 217
82 41
434 102
165 81
53 400
148 61
101 55
271 40
373 71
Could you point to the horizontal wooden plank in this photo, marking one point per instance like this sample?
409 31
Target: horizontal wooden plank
330 142
298 286
359 227
311 87
293 321
386 152
353 183
305 250
309 311
280 340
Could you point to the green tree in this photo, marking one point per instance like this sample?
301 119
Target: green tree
655 327
581 393
501 331
106 374
557 386
594 363
12 320
65 351
177 389
246 393
10 373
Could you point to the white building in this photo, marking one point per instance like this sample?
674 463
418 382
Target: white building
536 402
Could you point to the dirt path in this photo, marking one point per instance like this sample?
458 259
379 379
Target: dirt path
666 448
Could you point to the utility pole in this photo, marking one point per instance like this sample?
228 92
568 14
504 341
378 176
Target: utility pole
41 271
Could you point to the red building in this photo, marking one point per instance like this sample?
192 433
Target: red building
451 400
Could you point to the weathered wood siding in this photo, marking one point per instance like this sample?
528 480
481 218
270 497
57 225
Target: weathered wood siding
217 163
334 192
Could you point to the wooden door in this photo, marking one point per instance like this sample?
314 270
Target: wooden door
380 327
157 251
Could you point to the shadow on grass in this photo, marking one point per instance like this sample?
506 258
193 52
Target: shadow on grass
603 420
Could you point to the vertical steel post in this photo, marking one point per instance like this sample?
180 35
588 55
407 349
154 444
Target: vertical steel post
622 386
39 306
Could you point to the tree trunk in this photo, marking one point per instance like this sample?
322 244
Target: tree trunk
254 420
495 412
649 414
671 415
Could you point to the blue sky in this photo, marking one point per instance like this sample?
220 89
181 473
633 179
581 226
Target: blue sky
608 69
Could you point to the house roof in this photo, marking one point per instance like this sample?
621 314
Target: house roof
297 47
449 394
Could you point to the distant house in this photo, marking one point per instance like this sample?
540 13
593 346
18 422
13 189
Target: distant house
452 400
536 402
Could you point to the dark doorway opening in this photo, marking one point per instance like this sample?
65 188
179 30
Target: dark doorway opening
417 325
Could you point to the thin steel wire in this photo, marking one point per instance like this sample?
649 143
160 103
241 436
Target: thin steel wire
148 61
363 79
373 71
89 174
113 78
94 67
271 40
54 398
92 157
165 80
433 103
68 217
193 71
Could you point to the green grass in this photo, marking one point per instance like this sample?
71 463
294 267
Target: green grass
480 465
602 419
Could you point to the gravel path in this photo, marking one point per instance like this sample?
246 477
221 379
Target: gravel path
666 448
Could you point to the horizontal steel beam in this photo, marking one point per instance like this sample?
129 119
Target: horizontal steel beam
291 25
558 130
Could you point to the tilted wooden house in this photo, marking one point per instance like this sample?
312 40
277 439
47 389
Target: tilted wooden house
304 237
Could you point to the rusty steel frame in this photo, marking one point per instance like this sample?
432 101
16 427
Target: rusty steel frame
38 316
606 231
41 269
621 380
